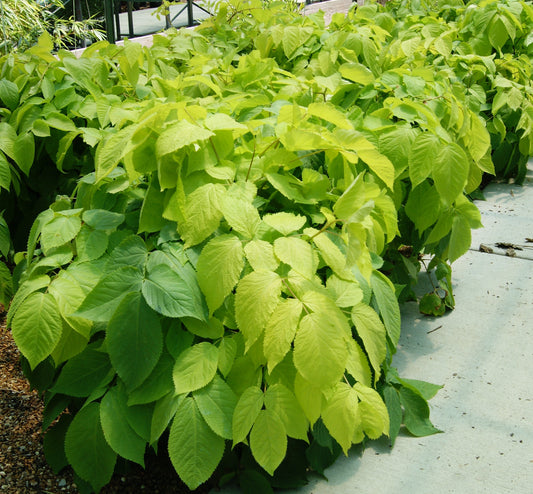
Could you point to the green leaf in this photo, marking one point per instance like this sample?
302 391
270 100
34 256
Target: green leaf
450 172
59 231
100 219
341 415
280 331
180 135
102 301
320 351
422 157
212 329
256 298
131 251
84 373
87 450
195 367
194 449
156 385
387 304
394 409
330 113
246 412
117 431
91 244
134 339
37 327
423 206
371 330
216 403
164 411
416 416
219 268
54 444
268 440
285 223
5 172
174 293
9 94
24 151
298 254
284 404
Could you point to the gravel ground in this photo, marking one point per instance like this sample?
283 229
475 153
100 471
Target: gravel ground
23 469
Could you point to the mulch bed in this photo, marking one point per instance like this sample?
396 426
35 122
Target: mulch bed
23 468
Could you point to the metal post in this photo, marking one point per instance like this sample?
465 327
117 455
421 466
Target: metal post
108 11
189 12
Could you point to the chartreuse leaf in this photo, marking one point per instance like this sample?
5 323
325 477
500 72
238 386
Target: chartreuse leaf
285 223
134 339
357 72
202 212
69 345
180 135
260 255
422 157
242 216
423 206
371 330
345 293
450 172
309 397
194 449
268 440
111 151
282 401
117 431
195 367
374 415
216 403
246 411
341 414
320 351
256 298
227 351
460 238
331 254
222 259
280 331
102 301
330 113
357 364
87 450
173 292
387 304
298 254
37 327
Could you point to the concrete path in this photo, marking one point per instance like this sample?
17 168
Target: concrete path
482 353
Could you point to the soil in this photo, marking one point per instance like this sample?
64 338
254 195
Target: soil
23 468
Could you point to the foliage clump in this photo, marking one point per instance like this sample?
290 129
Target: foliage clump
235 213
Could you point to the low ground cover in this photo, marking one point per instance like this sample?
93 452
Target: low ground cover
223 226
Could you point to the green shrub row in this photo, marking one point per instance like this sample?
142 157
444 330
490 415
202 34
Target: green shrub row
235 214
